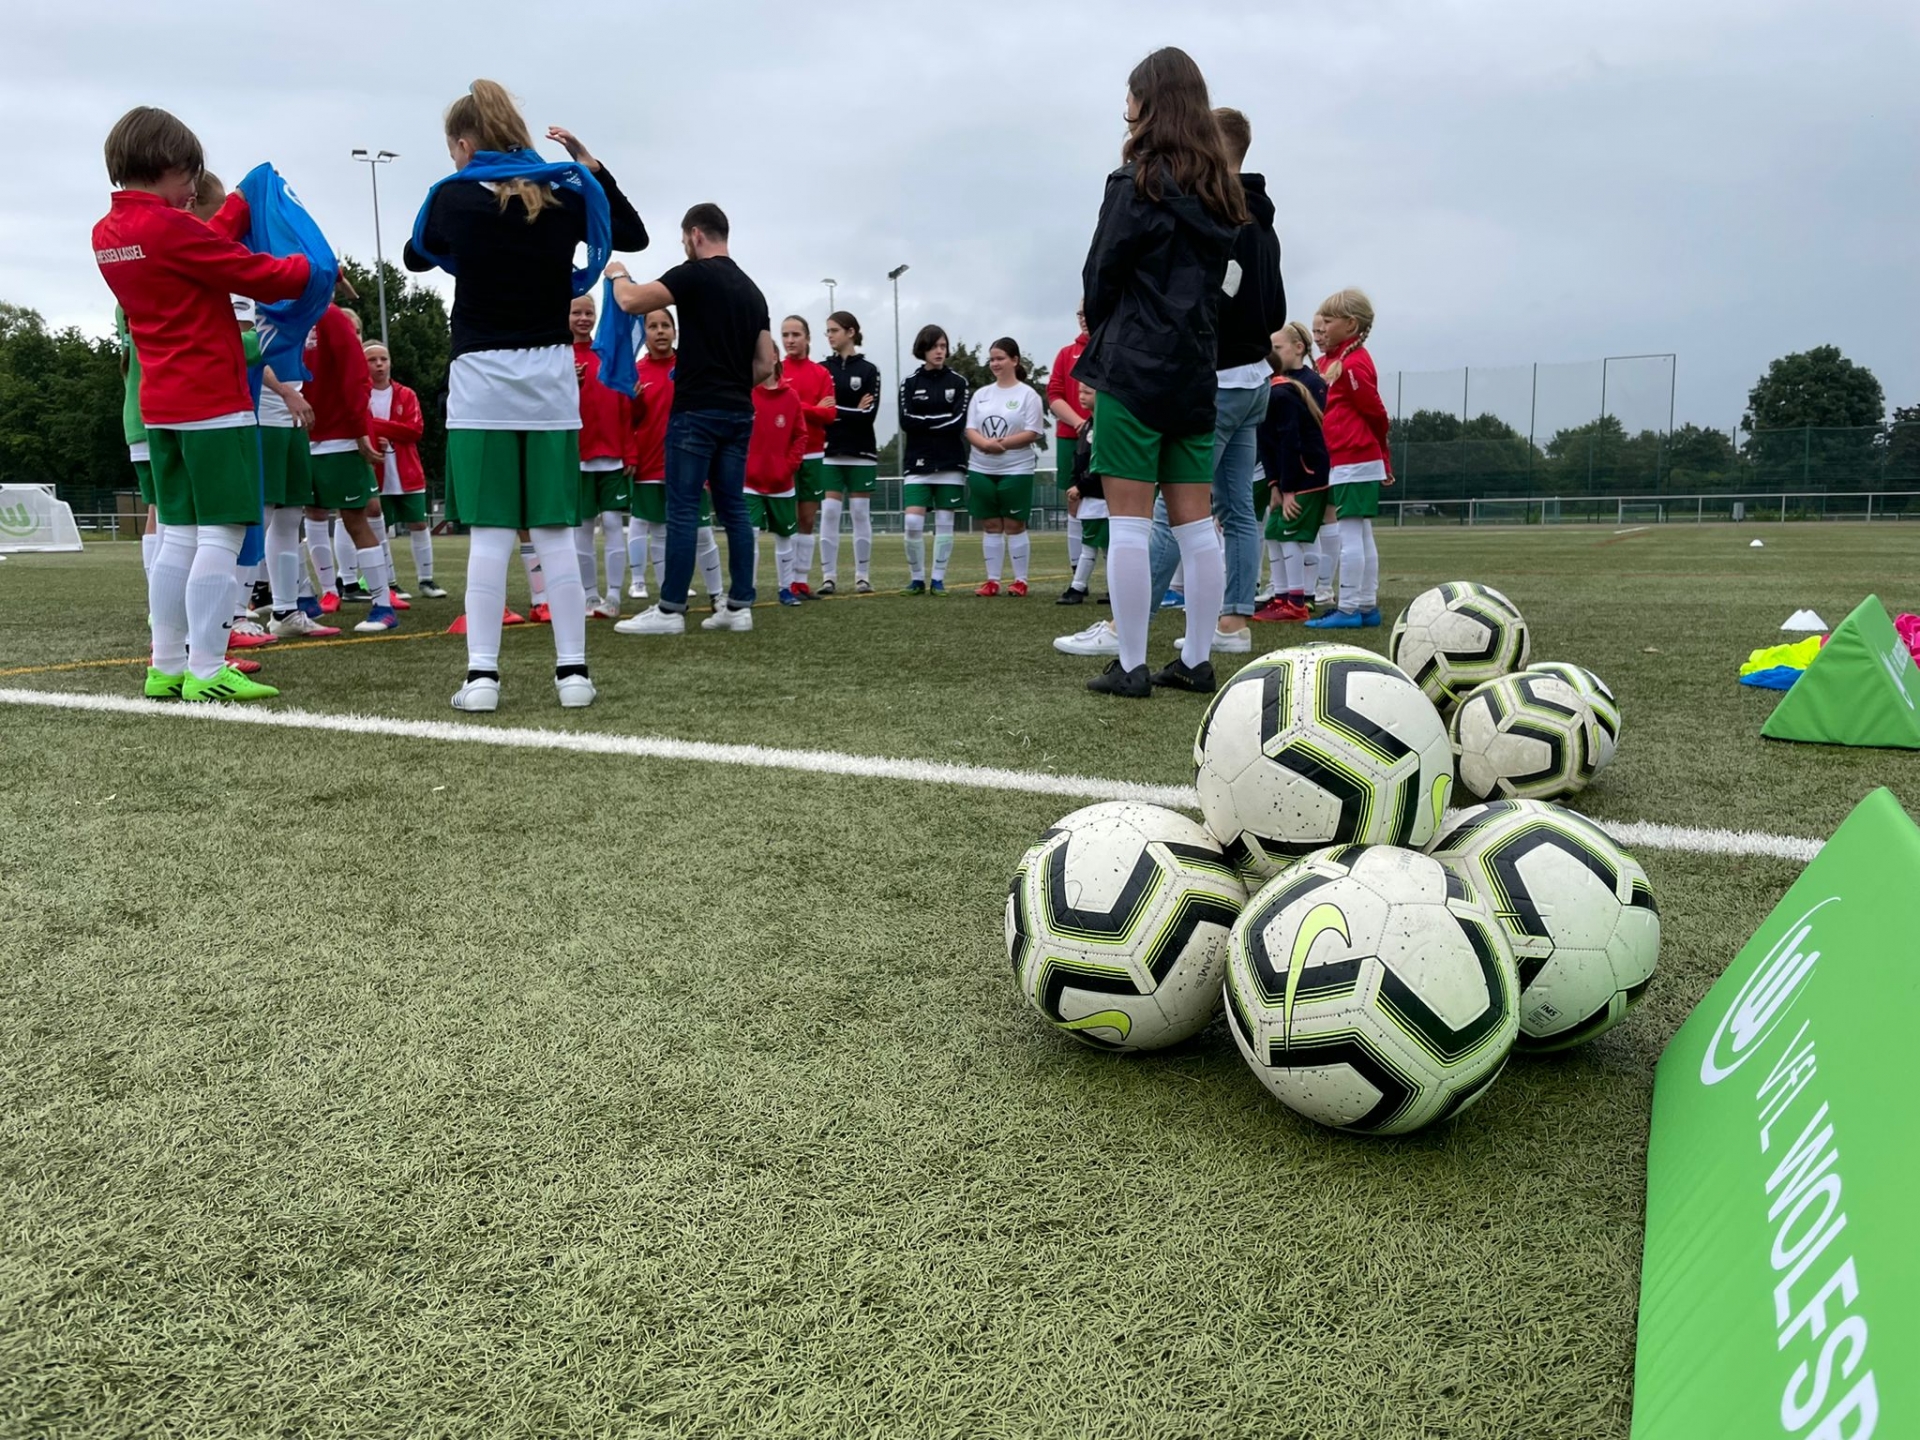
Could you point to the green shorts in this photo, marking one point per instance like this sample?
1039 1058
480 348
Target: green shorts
999 497
848 479
934 497
514 479
206 477
143 477
1126 448
287 470
810 484
777 514
602 490
1305 526
409 507
1357 501
341 482
650 503
1094 533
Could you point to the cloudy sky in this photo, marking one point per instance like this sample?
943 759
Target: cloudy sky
1514 181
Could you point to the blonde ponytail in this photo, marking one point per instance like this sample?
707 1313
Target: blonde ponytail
487 116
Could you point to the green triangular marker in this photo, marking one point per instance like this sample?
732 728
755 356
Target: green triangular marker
1861 689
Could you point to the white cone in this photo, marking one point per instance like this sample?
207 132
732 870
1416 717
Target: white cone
1758 545
1808 621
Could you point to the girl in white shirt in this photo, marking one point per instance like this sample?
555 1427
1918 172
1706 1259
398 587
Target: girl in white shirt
1004 420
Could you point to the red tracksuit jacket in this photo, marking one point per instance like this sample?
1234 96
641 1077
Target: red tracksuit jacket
779 440
1356 423
813 386
652 407
402 428
341 384
606 416
1062 386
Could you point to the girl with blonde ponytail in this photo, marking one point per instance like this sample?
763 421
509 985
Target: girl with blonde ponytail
506 225
1293 461
1359 462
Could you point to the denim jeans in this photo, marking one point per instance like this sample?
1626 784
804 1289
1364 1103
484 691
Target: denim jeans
707 450
1237 416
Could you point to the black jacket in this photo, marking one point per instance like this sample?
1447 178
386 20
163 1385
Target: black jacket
1084 480
1256 303
933 418
1292 449
850 436
1152 286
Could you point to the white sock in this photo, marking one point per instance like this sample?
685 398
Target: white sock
242 591
421 542
862 535
942 543
1205 563
1310 568
167 596
373 569
345 553
657 552
1370 577
829 533
1179 581
707 554
1353 563
1019 547
993 549
209 596
1130 578
803 546
1083 567
1328 577
487 556
584 564
386 555
530 563
637 548
283 558
149 550
566 596
756 558
320 551
1074 541
783 548
1292 567
305 587
612 526
917 547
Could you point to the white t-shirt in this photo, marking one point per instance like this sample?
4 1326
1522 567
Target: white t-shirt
273 410
998 410
514 390
380 405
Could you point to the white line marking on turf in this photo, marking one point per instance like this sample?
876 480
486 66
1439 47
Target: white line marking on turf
1633 530
813 762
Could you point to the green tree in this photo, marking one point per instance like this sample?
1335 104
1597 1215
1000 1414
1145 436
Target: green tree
60 401
1818 387
420 340
1900 465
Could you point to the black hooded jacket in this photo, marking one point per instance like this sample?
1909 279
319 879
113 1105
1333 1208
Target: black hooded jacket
850 433
933 418
1256 302
1152 287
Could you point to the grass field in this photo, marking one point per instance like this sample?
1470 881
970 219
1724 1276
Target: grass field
358 1085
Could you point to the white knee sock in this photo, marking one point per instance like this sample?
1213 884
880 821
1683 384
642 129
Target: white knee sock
167 596
209 596
149 548
803 557
1074 541
1019 547
1310 568
421 542
530 562
707 553
1205 563
993 549
345 553
584 565
305 587
829 532
373 569
862 535
1130 578
1370 578
942 543
320 551
1353 562
637 548
1292 568
783 560
1179 581
488 554
386 555
1327 572
612 526
1083 567
283 558
566 596
917 547
242 591
657 551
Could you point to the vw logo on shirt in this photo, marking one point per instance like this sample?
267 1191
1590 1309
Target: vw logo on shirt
994 426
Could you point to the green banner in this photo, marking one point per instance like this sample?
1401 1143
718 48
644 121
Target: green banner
1861 689
1780 1290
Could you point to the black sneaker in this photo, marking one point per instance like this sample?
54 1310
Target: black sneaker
826 589
1177 676
1104 600
1132 684
354 594
1072 595
262 595
918 587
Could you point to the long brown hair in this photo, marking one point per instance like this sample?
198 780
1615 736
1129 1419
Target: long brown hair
1177 137
1305 341
487 116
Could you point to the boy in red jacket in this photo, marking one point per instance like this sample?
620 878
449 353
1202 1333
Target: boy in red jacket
396 424
775 453
608 455
1063 396
1358 460
174 277
341 444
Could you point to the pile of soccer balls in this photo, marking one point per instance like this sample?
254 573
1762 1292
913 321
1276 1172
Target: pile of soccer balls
1379 958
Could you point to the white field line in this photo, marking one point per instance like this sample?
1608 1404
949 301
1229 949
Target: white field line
812 762
1633 530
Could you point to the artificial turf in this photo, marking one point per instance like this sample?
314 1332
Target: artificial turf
364 1086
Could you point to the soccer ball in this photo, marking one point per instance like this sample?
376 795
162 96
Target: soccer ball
1577 908
1319 745
1117 925
1370 989
1456 636
1525 737
1606 710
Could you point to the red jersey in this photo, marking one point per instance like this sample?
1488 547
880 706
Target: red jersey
606 416
779 440
812 384
174 276
1356 423
341 384
1062 386
402 428
652 407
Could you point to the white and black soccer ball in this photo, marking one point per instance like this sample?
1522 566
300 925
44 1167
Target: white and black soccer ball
1606 709
1117 924
1525 737
1371 989
1319 745
1576 908
1456 636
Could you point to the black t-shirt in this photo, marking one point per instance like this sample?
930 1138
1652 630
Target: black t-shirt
722 315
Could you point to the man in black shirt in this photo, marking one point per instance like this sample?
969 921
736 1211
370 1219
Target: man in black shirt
726 348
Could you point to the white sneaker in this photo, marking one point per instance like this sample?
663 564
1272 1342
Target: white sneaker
479 697
729 617
299 623
608 609
1263 597
654 622
248 625
1099 638
1232 642
637 590
576 692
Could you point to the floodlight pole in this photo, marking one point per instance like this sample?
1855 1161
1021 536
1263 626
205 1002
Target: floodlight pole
373 163
830 284
899 376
